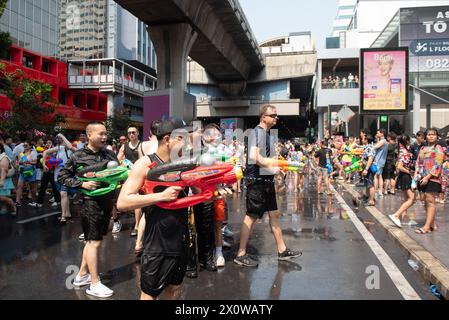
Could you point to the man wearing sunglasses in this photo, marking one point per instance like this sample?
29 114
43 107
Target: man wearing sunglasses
260 195
132 151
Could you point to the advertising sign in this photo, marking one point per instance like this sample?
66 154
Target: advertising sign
426 32
229 125
384 76
226 124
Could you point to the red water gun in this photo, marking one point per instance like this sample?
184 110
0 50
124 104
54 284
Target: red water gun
52 163
189 174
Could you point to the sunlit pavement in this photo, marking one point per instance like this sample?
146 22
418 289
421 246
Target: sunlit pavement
39 258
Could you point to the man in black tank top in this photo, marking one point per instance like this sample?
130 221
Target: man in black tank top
165 241
132 151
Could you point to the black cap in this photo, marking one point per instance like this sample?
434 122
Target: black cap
169 125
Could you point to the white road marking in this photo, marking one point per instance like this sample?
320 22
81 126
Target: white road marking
39 217
390 267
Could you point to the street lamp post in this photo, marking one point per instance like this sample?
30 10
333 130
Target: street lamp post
189 60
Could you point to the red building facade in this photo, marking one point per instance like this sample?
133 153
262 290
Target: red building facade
78 106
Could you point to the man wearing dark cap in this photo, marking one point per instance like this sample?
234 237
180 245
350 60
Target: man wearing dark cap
164 258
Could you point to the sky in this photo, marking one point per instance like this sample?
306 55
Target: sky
274 18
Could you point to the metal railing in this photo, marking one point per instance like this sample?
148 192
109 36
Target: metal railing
109 75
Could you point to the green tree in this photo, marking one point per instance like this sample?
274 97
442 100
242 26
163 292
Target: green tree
5 40
118 123
33 108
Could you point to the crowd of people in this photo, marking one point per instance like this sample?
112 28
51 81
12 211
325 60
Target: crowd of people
337 82
172 243
33 164
384 163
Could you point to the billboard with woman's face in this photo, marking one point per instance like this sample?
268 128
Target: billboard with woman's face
384 76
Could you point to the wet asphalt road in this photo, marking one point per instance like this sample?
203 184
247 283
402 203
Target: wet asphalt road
39 258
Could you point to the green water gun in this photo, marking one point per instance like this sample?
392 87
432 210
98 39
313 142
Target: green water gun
27 172
108 173
297 168
356 166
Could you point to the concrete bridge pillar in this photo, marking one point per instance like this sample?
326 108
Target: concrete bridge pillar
172 43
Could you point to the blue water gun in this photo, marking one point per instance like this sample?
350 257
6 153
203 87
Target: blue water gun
328 166
24 160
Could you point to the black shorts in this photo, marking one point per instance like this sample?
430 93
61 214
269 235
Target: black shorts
158 272
404 181
95 216
431 187
260 198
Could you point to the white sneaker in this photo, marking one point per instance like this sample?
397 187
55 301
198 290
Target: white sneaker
81 236
99 290
32 204
220 262
39 205
117 227
395 220
52 199
82 281
55 204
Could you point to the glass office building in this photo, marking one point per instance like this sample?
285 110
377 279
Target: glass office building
94 29
33 25
82 32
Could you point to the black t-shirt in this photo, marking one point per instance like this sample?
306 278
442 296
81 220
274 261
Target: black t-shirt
323 154
260 138
442 143
166 231
415 148
392 153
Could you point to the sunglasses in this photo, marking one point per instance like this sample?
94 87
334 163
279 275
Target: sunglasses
274 116
132 132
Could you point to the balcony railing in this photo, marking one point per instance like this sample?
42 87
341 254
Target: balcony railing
107 79
109 75
339 85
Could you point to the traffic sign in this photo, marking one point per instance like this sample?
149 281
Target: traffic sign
345 114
